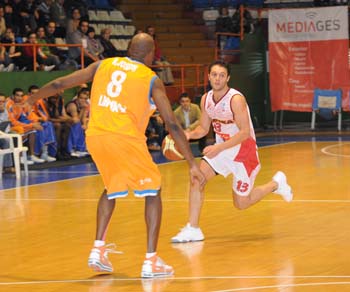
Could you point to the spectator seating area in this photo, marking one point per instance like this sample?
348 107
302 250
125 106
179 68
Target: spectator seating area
205 4
202 4
99 14
121 27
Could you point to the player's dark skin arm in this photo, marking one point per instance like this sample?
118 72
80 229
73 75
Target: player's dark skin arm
76 78
164 107
153 206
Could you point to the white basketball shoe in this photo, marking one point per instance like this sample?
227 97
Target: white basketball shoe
188 234
283 188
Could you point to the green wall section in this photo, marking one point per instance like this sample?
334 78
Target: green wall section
9 81
249 76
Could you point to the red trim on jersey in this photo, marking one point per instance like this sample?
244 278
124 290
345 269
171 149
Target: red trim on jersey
220 97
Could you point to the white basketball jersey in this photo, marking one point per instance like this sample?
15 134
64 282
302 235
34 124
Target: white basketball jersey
222 117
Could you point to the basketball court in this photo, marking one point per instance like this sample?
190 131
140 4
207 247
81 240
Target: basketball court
48 225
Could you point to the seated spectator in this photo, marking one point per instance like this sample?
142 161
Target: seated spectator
79 88
155 132
44 12
61 121
11 19
78 110
51 34
188 114
59 17
23 122
2 20
81 5
164 73
45 142
223 24
48 58
94 46
4 143
109 50
43 62
10 54
6 64
248 21
73 21
79 37
28 16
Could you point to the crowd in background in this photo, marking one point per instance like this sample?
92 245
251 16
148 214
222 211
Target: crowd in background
55 130
49 22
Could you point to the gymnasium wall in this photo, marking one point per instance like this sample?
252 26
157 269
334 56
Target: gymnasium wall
25 79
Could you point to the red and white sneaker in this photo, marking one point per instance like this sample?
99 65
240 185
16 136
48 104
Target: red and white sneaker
98 259
155 267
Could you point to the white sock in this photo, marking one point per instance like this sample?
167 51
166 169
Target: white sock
150 254
99 243
44 150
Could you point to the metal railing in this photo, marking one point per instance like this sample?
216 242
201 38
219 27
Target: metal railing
186 77
35 50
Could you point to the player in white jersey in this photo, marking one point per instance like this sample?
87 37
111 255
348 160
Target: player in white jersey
234 151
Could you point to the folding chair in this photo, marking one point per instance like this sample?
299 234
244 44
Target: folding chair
15 151
326 103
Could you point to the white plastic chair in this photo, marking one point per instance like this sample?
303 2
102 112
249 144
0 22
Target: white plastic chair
16 151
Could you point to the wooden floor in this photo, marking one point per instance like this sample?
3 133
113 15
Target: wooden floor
47 231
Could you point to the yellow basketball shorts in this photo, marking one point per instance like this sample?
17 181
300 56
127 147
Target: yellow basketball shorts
124 164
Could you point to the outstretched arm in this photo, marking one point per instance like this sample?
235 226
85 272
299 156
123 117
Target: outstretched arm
71 80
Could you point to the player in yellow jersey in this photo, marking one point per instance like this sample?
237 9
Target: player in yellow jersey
125 93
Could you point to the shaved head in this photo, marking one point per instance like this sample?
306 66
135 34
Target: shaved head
142 46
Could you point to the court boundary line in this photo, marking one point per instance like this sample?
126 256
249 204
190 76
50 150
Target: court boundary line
283 286
168 162
170 200
324 150
49 182
38 282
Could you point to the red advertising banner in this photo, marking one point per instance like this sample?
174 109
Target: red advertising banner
308 49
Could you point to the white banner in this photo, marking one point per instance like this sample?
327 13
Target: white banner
308 49
310 24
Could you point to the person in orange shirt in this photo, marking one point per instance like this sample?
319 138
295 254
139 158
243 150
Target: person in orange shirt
24 122
45 141
125 93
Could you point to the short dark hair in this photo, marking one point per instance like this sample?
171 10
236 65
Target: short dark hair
220 63
16 90
82 90
184 94
90 29
30 88
81 22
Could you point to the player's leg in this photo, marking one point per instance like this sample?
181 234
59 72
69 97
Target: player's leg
98 259
153 217
153 265
244 198
243 202
101 147
105 210
196 198
192 232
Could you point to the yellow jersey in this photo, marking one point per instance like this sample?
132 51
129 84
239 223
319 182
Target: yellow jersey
121 101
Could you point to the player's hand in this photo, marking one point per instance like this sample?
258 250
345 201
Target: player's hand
212 150
187 134
197 174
